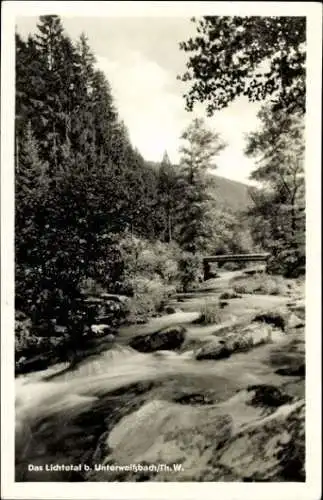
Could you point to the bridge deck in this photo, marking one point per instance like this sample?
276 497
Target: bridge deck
237 257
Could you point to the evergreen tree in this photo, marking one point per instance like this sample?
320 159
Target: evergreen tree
198 152
278 213
167 197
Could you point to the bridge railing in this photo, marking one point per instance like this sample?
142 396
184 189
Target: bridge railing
250 257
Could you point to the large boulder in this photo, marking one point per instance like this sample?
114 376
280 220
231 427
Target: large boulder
248 337
269 449
168 339
256 435
278 318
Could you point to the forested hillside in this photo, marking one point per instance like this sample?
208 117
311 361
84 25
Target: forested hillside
88 206
230 194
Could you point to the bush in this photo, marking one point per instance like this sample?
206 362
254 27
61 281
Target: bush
149 259
290 263
151 273
149 296
190 270
262 284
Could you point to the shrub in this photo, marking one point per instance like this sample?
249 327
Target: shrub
288 262
190 270
149 296
148 259
262 284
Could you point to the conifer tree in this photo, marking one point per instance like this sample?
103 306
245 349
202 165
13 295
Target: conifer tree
198 153
278 212
167 191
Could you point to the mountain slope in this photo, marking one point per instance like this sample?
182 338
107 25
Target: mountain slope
230 194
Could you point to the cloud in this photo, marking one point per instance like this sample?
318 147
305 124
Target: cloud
154 113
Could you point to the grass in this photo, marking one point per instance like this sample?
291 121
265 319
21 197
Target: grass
210 314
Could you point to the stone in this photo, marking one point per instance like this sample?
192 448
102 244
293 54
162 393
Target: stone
295 322
170 310
292 371
242 341
100 330
168 339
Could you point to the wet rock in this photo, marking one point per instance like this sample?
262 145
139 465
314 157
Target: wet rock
194 399
163 432
269 449
212 442
295 371
242 341
116 298
275 318
295 322
100 330
229 294
168 339
268 395
299 309
171 310
216 349
37 363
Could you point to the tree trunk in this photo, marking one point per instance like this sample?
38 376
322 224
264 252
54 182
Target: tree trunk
169 228
17 155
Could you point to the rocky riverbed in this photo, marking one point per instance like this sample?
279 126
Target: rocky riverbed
224 400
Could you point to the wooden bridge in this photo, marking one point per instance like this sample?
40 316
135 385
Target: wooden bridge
216 259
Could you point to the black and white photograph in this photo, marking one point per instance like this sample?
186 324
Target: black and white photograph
160 246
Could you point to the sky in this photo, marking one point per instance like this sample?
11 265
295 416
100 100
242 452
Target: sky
141 60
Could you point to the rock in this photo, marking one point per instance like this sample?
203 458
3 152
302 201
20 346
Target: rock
223 303
269 449
275 318
93 301
194 399
171 310
230 294
268 395
168 339
116 298
100 330
213 350
245 340
299 309
163 432
60 330
37 363
292 371
228 441
295 322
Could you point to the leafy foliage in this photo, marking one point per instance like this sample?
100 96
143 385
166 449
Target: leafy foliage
259 57
190 270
